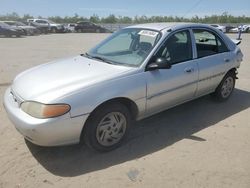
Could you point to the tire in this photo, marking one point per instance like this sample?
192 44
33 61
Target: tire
102 136
53 30
225 88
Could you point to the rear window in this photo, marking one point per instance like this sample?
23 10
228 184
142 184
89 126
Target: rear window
208 43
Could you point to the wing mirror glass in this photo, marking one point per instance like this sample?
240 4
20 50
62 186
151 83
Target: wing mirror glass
159 63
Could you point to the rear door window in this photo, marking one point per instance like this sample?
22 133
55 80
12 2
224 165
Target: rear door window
208 43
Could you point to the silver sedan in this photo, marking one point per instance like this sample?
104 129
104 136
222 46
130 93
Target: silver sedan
135 73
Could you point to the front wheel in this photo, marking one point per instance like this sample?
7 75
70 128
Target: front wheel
107 127
225 88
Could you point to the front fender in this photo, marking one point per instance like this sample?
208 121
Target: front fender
132 87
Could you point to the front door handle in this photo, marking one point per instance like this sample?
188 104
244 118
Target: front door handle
189 70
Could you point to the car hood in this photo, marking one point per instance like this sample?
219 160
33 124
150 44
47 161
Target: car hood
56 79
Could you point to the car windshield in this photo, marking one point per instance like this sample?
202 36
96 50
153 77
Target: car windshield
127 47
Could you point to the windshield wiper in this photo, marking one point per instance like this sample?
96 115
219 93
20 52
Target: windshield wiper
97 57
86 55
102 59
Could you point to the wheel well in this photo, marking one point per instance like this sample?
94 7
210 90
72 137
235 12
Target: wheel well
132 107
234 71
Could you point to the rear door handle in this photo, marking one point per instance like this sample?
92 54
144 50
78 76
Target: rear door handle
189 70
227 60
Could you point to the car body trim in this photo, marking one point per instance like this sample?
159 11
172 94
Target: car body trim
170 90
213 76
80 115
167 91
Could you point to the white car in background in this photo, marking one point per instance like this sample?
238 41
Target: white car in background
220 27
70 27
53 27
244 29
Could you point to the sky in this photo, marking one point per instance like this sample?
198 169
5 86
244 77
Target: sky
185 8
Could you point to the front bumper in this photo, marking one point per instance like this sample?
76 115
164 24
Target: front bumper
62 130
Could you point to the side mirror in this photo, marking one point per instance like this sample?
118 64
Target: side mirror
160 63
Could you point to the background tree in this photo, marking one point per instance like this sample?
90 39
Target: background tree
223 18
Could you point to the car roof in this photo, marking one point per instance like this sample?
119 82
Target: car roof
167 25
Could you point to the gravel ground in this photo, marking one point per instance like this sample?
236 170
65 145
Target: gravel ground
198 144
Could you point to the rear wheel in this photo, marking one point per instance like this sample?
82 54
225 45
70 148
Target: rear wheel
225 88
107 127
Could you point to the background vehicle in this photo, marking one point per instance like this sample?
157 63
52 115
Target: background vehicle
70 28
53 27
9 31
29 30
85 27
20 30
220 27
43 27
244 29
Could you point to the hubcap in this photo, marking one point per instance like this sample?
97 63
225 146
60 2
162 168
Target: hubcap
111 129
227 87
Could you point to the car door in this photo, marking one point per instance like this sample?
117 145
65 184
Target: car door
212 58
92 27
169 87
42 22
85 27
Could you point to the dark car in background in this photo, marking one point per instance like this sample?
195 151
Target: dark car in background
20 31
28 30
89 27
9 31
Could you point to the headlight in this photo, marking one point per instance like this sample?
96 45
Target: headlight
41 111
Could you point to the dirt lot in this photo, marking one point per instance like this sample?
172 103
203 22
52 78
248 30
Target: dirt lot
199 144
